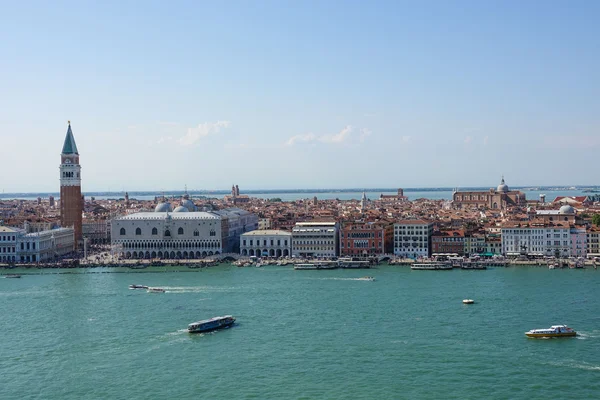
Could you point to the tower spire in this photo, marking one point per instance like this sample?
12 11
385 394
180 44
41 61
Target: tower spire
69 147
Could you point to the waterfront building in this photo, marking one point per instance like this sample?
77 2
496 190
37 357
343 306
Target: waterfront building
499 198
475 244
266 243
412 238
181 233
362 239
315 239
44 246
536 239
448 242
493 244
593 241
71 202
8 243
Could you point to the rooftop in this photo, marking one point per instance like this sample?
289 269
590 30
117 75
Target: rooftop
268 232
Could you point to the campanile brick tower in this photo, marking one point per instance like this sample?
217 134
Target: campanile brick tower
71 203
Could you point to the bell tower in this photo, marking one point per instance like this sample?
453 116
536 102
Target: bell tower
71 202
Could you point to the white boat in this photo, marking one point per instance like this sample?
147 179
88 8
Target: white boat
366 278
349 262
468 301
432 266
553 331
314 266
156 290
211 324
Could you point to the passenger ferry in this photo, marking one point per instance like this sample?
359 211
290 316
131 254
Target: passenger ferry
553 331
432 266
314 266
156 290
211 324
349 262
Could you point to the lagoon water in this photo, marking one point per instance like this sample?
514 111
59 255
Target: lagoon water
300 334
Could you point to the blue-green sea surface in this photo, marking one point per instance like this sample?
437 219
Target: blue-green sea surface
300 334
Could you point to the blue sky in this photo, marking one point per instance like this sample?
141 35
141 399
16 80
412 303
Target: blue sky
283 94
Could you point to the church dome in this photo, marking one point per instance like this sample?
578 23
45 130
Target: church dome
502 187
181 209
189 205
566 209
163 207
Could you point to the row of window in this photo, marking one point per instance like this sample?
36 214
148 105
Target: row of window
361 235
180 231
285 242
7 249
8 238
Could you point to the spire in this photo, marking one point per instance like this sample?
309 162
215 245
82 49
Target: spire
70 147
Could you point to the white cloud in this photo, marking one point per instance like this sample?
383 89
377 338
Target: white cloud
339 137
203 130
485 140
406 139
308 137
468 140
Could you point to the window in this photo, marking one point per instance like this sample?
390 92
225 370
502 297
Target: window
138 231
154 231
168 233
196 233
122 232
180 231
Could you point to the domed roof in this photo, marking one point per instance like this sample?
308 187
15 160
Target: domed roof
502 187
181 209
163 207
189 205
566 209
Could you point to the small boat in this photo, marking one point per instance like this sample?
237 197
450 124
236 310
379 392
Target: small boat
12 276
366 278
553 331
138 287
468 301
207 325
156 290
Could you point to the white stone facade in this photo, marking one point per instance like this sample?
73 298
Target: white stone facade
46 245
315 239
266 243
412 238
8 244
167 235
537 241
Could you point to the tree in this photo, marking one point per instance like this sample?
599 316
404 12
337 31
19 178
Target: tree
596 219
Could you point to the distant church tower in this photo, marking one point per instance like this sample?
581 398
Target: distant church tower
71 202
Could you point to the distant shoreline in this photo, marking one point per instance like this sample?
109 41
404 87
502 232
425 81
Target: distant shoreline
588 189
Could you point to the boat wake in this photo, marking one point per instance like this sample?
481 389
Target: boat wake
339 279
577 365
588 335
196 289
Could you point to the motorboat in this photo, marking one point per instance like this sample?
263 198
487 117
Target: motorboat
207 325
156 290
366 278
468 301
553 331
138 287
12 276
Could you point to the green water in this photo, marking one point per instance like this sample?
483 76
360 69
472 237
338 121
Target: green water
301 335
